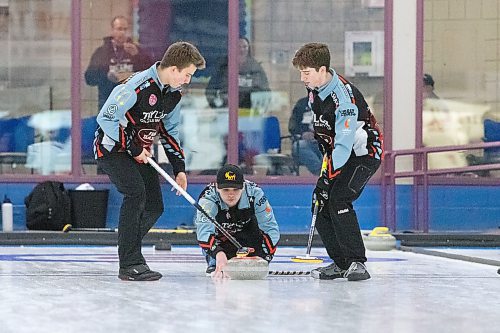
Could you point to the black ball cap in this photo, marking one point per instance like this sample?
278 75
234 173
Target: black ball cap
230 176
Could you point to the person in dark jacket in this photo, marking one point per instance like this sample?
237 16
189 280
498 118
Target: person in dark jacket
144 106
350 137
251 78
115 60
305 149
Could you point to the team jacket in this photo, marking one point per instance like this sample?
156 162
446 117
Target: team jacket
343 124
253 212
135 113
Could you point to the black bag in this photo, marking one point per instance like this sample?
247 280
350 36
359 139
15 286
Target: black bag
48 207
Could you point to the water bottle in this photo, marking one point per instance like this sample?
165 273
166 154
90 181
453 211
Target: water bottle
7 215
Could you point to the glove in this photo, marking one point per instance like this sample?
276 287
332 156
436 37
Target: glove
321 196
268 253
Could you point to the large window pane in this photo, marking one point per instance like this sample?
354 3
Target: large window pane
461 101
35 60
204 126
354 32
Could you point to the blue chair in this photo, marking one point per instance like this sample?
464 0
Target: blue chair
89 126
15 137
491 134
272 158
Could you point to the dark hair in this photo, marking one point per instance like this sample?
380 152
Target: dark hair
249 46
313 55
182 55
428 80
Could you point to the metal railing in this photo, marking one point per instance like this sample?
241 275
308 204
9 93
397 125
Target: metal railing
420 175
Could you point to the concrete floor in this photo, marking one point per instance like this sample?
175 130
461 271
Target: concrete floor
76 289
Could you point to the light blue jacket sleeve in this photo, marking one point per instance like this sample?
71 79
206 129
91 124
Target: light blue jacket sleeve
205 229
112 113
265 216
346 117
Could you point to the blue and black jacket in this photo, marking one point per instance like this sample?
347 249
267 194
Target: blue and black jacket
135 113
343 124
251 222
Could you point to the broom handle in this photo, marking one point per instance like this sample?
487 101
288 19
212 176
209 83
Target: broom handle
313 226
193 202
315 211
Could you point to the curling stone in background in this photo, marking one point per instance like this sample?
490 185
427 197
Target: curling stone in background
379 239
247 268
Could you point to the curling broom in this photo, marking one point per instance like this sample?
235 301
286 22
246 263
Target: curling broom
308 258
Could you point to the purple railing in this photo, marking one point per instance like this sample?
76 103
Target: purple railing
420 175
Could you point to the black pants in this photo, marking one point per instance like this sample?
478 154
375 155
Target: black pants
337 223
142 203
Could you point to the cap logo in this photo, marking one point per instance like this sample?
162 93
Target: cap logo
230 175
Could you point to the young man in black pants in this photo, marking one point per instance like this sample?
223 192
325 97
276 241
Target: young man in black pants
350 139
145 106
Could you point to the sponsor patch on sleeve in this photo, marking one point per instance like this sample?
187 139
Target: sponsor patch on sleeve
123 96
109 113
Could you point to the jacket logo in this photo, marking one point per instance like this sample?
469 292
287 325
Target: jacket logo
320 122
230 175
152 99
347 113
144 85
262 201
152 116
110 111
147 135
123 96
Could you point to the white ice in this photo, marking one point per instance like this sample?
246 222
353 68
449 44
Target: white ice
76 289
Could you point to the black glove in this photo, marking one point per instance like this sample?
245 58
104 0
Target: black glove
267 256
267 248
321 196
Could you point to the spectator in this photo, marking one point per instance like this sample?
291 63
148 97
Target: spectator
428 91
115 60
431 101
251 78
305 150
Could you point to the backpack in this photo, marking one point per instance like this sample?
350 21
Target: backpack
48 207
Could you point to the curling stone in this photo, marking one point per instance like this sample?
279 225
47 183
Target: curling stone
247 268
379 239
